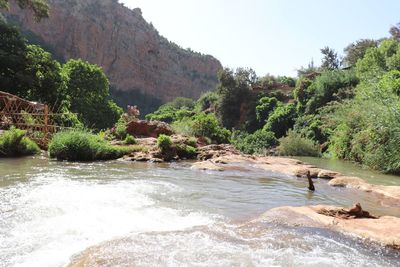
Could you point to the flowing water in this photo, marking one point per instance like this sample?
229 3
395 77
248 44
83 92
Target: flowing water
168 215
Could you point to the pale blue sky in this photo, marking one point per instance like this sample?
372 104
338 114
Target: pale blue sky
270 36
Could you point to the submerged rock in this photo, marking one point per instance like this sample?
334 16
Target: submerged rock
384 230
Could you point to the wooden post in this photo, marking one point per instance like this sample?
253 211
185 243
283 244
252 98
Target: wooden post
46 122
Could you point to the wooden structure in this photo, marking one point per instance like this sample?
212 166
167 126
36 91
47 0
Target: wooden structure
33 117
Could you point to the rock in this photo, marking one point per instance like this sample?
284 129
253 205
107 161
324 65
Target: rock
215 151
390 192
325 174
302 172
206 166
384 230
142 128
130 50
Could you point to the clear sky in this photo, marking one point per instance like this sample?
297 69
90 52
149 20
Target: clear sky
270 36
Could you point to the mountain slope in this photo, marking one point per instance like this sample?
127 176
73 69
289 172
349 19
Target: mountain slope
141 64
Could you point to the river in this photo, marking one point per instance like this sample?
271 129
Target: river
169 215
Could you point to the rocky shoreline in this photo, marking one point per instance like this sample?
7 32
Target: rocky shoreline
384 230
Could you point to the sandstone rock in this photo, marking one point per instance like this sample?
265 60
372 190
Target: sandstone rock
206 166
142 128
389 192
130 50
384 230
325 174
302 172
215 151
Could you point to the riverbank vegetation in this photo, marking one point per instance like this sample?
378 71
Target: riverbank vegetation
82 145
347 109
76 88
14 143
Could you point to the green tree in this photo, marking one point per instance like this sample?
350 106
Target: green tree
233 91
395 31
330 59
40 8
14 77
87 88
357 50
265 106
281 120
46 85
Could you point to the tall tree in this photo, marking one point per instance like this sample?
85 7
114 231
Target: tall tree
87 88
395 31
330 60
14 76
40 8
357 50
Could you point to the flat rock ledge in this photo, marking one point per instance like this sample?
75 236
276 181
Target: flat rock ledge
225 158
389 192
384 230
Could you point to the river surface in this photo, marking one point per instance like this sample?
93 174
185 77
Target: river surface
169 215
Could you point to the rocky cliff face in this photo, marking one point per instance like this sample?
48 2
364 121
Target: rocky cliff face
130 50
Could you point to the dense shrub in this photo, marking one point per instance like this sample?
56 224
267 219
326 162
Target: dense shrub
257 142
296 145
185 151
203 125
311 127
206 101
79 145
164 142
265 106
281 120
165 113
120 129
130 140
368 127
207 125
14 143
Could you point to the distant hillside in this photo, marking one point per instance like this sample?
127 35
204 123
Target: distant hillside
144 68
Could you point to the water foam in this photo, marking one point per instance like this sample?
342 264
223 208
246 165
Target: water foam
52 218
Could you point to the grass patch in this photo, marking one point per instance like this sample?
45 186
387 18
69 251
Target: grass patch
164 142
14 143
296 145
130 140
80 145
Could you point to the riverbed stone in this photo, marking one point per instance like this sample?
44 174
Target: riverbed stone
387 192
326 174
384 230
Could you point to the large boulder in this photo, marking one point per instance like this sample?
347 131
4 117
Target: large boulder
142 128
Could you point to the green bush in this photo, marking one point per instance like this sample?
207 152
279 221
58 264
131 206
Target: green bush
185 151
206 125
164 142
120 129
281 120
192 141
203 125
257 142
296 145
130 140
80 145
265 106
14 143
